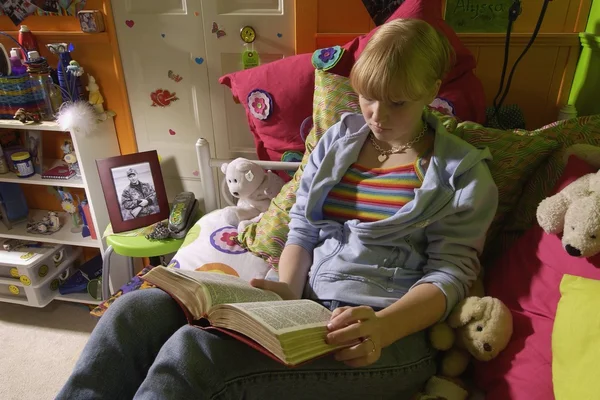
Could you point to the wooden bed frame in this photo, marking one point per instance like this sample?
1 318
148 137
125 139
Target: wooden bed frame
542 81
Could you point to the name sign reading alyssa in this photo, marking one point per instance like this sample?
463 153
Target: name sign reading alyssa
487 16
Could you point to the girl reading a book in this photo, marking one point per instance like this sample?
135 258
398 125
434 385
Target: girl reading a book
389 221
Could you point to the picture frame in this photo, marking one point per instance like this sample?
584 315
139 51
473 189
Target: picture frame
134 190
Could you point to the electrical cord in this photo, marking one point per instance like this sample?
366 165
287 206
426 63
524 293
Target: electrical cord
514 12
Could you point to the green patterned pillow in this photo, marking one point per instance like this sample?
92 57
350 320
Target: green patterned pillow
516 156
333 97
584 130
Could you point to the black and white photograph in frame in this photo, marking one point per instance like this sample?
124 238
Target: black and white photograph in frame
136 191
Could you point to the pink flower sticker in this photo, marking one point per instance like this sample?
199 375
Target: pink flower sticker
224 240
260 104
443 106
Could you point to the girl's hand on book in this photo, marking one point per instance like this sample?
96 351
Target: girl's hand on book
281 288
360 329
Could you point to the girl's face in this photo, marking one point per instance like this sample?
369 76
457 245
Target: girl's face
395 121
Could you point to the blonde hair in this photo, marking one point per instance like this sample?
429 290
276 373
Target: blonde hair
402 60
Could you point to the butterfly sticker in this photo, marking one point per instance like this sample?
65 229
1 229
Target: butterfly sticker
220 32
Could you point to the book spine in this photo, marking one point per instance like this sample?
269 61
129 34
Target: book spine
90 222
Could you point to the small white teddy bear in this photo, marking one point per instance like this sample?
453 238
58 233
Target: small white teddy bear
574 211
253 187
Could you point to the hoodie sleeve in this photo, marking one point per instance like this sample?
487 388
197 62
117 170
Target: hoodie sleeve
456 241
302 232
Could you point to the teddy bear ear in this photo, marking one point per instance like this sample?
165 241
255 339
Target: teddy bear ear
465 311
224 168
551 213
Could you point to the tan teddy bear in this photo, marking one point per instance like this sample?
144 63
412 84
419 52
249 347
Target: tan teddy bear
480 327
575 211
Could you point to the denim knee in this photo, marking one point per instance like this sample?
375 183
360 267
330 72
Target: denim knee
141 301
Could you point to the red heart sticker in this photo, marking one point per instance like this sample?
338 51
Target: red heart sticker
172 132
129 23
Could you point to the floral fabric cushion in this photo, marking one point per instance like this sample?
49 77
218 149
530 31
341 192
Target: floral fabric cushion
516 154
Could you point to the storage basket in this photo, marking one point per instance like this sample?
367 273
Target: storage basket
21 92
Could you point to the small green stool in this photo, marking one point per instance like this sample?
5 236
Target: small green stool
130 247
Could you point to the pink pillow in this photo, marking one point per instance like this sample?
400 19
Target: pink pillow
527 280
290 84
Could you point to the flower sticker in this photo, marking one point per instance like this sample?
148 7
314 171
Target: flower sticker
327 58
224 240
260 104
443 106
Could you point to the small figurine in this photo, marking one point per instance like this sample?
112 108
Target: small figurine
67 147
54 221
75 69
95 99
70 157
48 225
26 117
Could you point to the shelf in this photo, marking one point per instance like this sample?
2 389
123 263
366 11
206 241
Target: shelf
74 182
11 281
84 298
63 236
14 299
43 126
61 36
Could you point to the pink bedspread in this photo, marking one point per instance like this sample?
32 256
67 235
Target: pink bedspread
527 280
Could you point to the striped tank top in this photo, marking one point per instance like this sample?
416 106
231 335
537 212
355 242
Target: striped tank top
373 194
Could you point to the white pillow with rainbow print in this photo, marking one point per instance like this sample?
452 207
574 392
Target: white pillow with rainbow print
210 246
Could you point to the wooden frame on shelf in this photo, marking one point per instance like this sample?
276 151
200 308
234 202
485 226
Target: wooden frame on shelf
133 202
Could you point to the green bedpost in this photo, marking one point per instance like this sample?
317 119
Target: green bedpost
586 83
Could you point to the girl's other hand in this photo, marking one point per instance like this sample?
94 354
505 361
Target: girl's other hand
359 328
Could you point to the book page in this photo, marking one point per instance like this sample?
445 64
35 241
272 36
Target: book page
287 316
222 289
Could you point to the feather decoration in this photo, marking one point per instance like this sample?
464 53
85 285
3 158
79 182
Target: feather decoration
78 117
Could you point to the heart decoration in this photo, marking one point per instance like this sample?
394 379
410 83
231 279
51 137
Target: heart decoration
163 35
199 60
130 23
196 173
196 13
172 132
162 98
280 35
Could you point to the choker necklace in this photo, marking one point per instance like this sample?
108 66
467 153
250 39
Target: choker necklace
384 154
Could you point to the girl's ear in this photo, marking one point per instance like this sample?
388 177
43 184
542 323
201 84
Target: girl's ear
434 91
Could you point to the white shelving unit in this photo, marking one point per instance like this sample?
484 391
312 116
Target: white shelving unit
101 144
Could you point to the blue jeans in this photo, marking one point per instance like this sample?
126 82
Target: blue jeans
143 348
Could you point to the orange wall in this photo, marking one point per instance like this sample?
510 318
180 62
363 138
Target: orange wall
97 53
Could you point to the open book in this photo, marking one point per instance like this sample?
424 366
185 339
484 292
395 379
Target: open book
291 331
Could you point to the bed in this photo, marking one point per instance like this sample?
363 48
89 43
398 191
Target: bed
527 166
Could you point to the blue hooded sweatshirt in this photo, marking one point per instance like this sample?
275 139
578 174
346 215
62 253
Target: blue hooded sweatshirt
436 238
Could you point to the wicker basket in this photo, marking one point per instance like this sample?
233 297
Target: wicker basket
21 92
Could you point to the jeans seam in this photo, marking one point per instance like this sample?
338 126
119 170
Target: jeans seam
326 373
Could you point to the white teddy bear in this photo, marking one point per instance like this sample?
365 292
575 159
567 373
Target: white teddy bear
575 211
253 187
